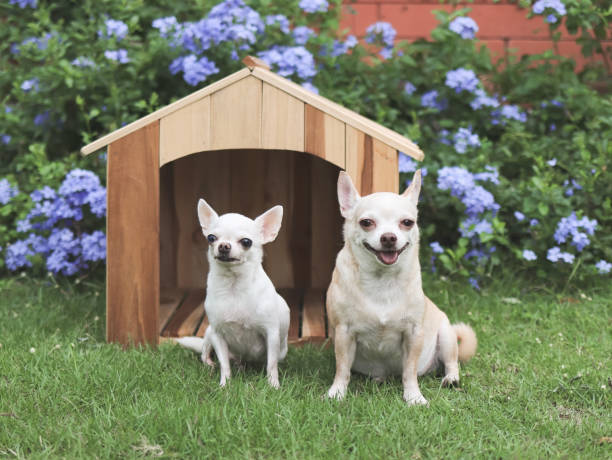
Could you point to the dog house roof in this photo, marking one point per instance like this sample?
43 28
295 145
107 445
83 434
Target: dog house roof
256 108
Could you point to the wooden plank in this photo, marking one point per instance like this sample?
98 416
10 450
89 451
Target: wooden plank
313 314
283 120
324 136
191 323
386 172
169 303
132 267
168 229
347 116
278 190
301 224
193 300
360 160
294 298
185 131
136 125
252 62
326 223
203 325
206 175
236 115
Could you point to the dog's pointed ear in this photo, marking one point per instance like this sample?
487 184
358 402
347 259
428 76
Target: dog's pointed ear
270 223
414 188
206 215
347 194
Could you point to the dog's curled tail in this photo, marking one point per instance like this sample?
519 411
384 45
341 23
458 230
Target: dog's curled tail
467 341
192 343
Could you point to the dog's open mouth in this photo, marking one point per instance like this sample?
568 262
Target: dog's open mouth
226 259
386 257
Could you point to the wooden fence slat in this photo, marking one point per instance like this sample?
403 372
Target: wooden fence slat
169 303
293 297
192 302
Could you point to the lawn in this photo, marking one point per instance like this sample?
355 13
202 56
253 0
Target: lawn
539 386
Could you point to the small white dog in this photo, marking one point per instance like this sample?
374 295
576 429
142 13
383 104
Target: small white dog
247 318
381 321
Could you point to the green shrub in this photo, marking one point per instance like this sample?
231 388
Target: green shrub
507 143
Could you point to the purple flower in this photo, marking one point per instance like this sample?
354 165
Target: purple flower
291 60
406 164
603 267
551 18
28 85
7 191
310 87
23 226
555 254
464 26
510 112
462 80
464 138
281 20
119 55
302 34
533 222
93 246
314 6
197 70
430 100
24 3
482 100
6 139
16 255
529 255
41 118
491 175
409 88
83 62
114 28
556 5
552 162
165 25
45 193
436 247
474 283
382 30
519 215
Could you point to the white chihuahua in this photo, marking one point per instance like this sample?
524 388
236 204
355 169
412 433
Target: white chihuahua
381 321
247 318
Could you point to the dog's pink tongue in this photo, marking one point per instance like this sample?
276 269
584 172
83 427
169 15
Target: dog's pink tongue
388 257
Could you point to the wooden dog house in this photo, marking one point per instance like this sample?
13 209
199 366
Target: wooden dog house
244 143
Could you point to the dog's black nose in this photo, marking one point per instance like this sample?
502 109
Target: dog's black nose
388 240
225 248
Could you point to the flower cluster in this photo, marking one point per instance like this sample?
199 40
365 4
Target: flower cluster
7 191
302 34
432 99
508 112
557 6
462 80
384 33
24 3
465 138
464 26
195 70
314 6
54 226
114 28
289 60
569 228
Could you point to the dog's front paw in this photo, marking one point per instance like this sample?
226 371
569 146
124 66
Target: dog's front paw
450 380
414 399
223 381
336 392
274 383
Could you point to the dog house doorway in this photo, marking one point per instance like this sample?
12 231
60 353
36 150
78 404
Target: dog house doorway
250 181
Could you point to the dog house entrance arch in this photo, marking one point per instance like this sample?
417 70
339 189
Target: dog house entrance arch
244 143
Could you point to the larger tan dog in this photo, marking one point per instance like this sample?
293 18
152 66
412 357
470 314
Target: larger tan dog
381 321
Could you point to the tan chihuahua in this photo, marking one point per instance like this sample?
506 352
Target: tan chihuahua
381 321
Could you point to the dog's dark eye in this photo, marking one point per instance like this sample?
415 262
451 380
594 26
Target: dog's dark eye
366 223
407 223
211 238
246 243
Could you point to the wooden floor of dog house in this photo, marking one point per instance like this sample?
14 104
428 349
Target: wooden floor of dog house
182 313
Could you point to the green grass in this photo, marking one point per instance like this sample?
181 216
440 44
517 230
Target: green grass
539 386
